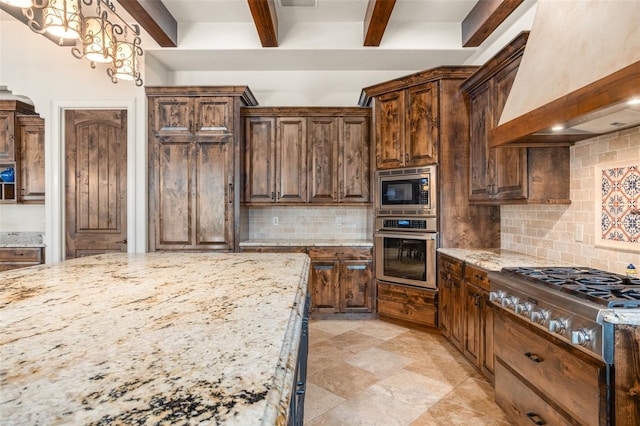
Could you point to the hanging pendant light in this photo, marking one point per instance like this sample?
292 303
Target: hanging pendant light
97 39
18 3
62 18
125 62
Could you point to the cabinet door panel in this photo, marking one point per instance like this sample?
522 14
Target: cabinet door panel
390 130
487 360
482 165
325 291
323 159
260 160
174 193
7 131
471 341
173 115
292 159
213 115
457 309
213 221
354 159
421 125
355 286
32 159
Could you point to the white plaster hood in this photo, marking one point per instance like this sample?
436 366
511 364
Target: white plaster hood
580 67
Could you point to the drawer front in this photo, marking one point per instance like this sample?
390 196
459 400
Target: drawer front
407 303
449 265
340 253
522 404
477 276
25 254
566 378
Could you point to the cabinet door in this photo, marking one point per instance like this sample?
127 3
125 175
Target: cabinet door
31 159
481 167
510 174
471 341
355 286
457 309
390 130
323 159
213 115
260 160
291 159
444 301
172 115
7 136
174 193
353 159
487 358
325 290
421 121
212 216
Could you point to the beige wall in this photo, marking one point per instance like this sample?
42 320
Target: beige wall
551 230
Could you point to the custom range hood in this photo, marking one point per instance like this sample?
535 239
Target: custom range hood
579 76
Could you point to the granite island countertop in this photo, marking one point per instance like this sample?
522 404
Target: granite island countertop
151 339
306 243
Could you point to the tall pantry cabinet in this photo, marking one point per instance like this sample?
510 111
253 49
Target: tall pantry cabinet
194 161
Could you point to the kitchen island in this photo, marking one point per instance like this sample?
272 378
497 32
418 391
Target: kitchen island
152 339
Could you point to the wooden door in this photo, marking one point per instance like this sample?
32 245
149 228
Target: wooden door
96 182
7 135
171 115
355 286
213 115
291 167
323 159
214 194
260 160
421 133
481 165
324 284
390 130
353 159
510 163
31 159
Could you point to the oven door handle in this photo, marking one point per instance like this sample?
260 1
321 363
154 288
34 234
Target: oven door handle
408 235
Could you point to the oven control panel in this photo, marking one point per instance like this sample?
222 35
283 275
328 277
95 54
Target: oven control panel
423 224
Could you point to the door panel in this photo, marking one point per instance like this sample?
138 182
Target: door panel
389 130
174 115
292 159
422 125
260 160
213 115
175 192
323 159
354 159
96 182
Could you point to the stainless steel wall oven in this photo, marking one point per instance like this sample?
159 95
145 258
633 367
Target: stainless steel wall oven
405 250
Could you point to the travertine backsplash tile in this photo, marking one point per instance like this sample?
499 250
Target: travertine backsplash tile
551 230
316 222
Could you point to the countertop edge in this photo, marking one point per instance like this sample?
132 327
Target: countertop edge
306 243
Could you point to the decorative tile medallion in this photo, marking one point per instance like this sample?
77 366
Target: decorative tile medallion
619 206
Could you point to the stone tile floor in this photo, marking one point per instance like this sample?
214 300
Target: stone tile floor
379 373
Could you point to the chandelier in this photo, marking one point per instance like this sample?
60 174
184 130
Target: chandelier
101 35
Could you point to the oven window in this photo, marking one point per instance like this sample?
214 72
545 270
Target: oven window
405 192
405 258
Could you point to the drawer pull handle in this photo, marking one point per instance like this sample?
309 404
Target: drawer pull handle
536 419
478 277
357 267
533 357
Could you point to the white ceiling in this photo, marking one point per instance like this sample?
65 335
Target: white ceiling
219 35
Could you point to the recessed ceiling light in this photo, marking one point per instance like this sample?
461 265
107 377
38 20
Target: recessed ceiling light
557 127
634 101
298 3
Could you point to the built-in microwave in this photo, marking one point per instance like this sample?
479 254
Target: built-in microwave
407 191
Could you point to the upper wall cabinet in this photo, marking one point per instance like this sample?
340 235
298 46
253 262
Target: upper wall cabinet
194 166
306 155
407 127
21 149
516 174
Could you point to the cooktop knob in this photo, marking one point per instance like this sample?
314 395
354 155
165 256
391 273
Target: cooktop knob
508 301
523 309
558 325
581 337
496 296
539 316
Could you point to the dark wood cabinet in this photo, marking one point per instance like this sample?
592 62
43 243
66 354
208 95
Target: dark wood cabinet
20 257
7 134
450 301
407 127
407 304
194 166
306 155
509 174
31 159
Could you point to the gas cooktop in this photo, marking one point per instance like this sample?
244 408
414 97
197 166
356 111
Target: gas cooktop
597 286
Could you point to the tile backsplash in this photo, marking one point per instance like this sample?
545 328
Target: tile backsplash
567 233
313 222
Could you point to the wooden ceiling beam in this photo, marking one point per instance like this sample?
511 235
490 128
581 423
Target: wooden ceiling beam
153 16
266 21
376 19
484 18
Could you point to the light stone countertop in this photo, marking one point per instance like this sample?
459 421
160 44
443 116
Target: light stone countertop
21 239
307 243
152 339
496 259
623 316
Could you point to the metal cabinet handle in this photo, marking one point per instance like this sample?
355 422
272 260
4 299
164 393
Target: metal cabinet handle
533 357
230 193
273 195
536 419
121 242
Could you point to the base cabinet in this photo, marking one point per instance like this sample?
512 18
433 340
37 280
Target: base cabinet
20 257
408 304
